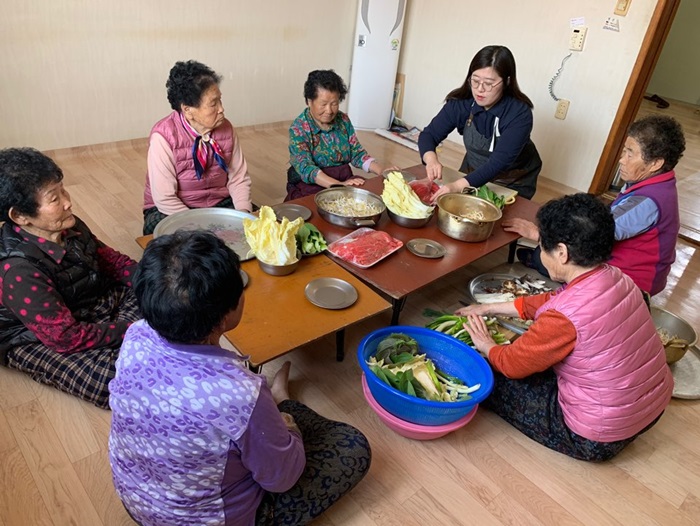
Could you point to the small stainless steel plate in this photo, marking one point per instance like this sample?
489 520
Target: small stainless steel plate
245 278
291 211
425 248
330 293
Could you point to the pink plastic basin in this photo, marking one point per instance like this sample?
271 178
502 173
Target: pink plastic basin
408 429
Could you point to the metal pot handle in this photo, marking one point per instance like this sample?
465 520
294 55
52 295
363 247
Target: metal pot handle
469 190
364 222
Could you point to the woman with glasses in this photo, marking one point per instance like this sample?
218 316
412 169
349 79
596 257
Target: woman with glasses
495 119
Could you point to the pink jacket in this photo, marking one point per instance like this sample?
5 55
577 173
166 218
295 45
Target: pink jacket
171 182
615 382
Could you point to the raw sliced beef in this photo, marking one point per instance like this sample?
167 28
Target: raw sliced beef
424 189
364 247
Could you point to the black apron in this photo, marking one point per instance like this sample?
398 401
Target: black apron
522 175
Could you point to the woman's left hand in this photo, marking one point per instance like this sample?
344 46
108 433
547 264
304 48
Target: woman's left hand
481 337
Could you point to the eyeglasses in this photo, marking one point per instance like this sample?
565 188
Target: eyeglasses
488 86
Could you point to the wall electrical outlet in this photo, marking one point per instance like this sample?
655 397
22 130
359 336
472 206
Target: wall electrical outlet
578 35
562 109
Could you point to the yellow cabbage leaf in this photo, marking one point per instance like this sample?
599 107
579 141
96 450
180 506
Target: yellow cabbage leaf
400 198
270 241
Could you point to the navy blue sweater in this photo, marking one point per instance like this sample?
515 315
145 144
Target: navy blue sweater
514 124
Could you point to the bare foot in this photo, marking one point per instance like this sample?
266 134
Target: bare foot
279 386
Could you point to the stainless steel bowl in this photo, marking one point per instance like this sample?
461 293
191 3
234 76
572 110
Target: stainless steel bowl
324 197
454 217
278 270
409 222
676 326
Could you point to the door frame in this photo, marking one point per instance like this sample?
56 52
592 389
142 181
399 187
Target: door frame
649 53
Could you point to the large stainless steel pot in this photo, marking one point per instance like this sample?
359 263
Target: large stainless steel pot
324 198
455 212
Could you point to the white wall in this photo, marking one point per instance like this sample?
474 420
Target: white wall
442 36
75 72
677 73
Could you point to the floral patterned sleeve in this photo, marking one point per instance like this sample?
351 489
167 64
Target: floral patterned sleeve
301 150
115 264
31 297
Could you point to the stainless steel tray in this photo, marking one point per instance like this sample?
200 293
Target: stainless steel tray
226 223
686 375
494 279
496 276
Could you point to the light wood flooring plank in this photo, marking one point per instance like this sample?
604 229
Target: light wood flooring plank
379 503
565 491
581 478
15 388
56 480
70 423
427 509
96 477
7 439
519 487
641 496
20 500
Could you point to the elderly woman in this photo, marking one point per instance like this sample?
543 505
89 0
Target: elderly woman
197 438
194 156
66 296
590 374
322 140
646 209
495 120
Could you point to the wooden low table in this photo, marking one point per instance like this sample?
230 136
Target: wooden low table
403 272
278 318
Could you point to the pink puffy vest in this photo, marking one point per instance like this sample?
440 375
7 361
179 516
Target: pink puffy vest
615 382
211 188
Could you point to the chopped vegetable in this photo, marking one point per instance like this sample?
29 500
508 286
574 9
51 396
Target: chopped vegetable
310 240
398 363
453 325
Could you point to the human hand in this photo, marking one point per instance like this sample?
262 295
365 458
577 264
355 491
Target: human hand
477 308
354 181
290 423
386 171
433 169
481 338
453 187
522 227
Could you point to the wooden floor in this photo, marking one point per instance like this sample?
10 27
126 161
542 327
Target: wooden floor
53 448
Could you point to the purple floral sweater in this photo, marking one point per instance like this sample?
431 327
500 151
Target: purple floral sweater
196 437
